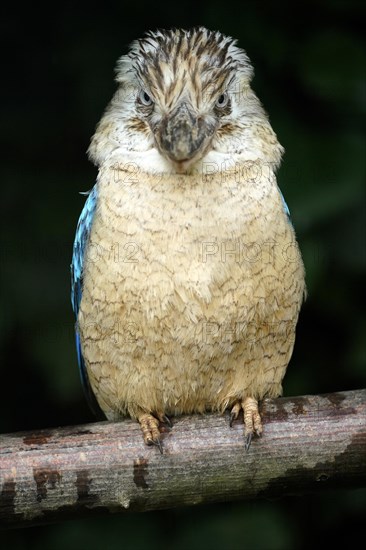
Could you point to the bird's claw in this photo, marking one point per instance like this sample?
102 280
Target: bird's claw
165 420
252 419
150 428
234 413
248 440
232 418
157 443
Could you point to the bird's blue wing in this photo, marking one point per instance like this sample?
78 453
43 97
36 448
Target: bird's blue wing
286 208
80 243
81 239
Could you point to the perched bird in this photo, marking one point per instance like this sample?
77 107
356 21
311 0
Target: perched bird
187 280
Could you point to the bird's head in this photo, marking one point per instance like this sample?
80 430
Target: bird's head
184 98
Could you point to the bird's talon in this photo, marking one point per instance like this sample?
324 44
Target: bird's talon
166 420
233 417
252 419
248 440
234 413
157 443
150 428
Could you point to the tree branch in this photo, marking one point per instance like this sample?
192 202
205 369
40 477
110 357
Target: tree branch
309 443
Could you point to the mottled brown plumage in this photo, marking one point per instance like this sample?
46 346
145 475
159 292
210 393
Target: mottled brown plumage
193 280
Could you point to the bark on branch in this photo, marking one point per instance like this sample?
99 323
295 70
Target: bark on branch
309 443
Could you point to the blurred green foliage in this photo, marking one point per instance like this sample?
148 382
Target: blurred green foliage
310 76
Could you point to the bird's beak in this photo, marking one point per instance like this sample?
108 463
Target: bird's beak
183 136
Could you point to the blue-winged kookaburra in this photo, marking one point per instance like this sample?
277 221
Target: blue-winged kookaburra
187 279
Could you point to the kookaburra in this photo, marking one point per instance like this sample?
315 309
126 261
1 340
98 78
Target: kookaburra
187 278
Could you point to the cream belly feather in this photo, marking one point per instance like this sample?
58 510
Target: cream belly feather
192 290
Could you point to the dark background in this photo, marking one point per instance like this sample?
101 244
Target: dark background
57 79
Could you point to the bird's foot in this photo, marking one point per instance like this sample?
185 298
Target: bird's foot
252 419
150 428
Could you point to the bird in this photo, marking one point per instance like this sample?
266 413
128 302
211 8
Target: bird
187 278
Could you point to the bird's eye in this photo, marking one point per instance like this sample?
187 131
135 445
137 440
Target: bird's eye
145 99
222 100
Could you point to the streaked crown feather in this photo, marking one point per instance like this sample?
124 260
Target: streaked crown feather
163 58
